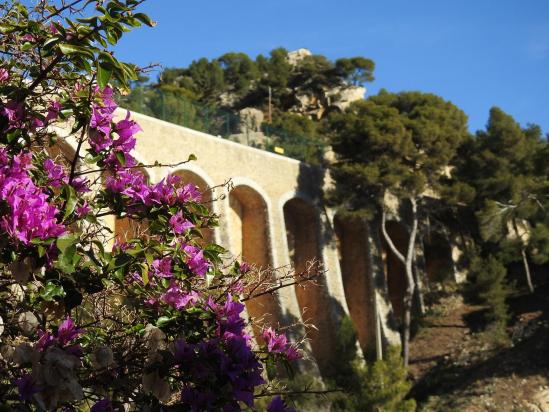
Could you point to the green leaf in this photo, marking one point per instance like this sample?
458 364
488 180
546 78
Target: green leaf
50 42
145 274
122 260
5 28
191 157
103 75
112 36
121 158
163 321
51 291
143 18
215 248
68 260
71 200
68 49
65 241
26 46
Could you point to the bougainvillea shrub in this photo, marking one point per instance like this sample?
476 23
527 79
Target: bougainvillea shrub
90 319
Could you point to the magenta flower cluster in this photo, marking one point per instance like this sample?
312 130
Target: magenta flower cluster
223 367
29 215
278 343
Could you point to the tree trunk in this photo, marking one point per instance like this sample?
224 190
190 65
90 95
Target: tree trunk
410 283
420 277
527 270
524 259
419 292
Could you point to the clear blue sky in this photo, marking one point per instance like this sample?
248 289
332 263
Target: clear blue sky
476 53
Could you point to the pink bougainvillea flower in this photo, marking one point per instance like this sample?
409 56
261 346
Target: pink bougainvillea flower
292 353
45 340
162 268
179 224
178 299
104 405
83 209
196 261
237 287
53 110
81 185
4 74
99 140
26 387
29 214
278 405
189 193
13 111
126 128
275 343
38 123
244 267
56 173
68 331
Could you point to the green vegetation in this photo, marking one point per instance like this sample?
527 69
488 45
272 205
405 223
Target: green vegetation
208 94
490 189
491 288
399 144
379 386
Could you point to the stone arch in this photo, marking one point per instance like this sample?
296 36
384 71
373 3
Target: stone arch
395 270
62 152
250 238
437 252
205 188
351 235
303 236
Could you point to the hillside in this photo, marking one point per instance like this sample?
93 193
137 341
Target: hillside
455 366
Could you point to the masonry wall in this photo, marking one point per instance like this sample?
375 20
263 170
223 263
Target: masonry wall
273 216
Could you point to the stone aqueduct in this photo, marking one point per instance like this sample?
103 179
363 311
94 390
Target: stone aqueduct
274 216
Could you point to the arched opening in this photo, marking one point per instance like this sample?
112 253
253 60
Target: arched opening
126 228
356 273
207 197
62 153
250 239
395 270
437 252
302 233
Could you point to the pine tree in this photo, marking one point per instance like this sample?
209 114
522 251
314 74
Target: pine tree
502 164
398 144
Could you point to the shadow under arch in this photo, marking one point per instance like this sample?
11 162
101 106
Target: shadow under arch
395 270
189 176
303 237
437 253
351 235
250 238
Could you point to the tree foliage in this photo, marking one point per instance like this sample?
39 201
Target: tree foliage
399 143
